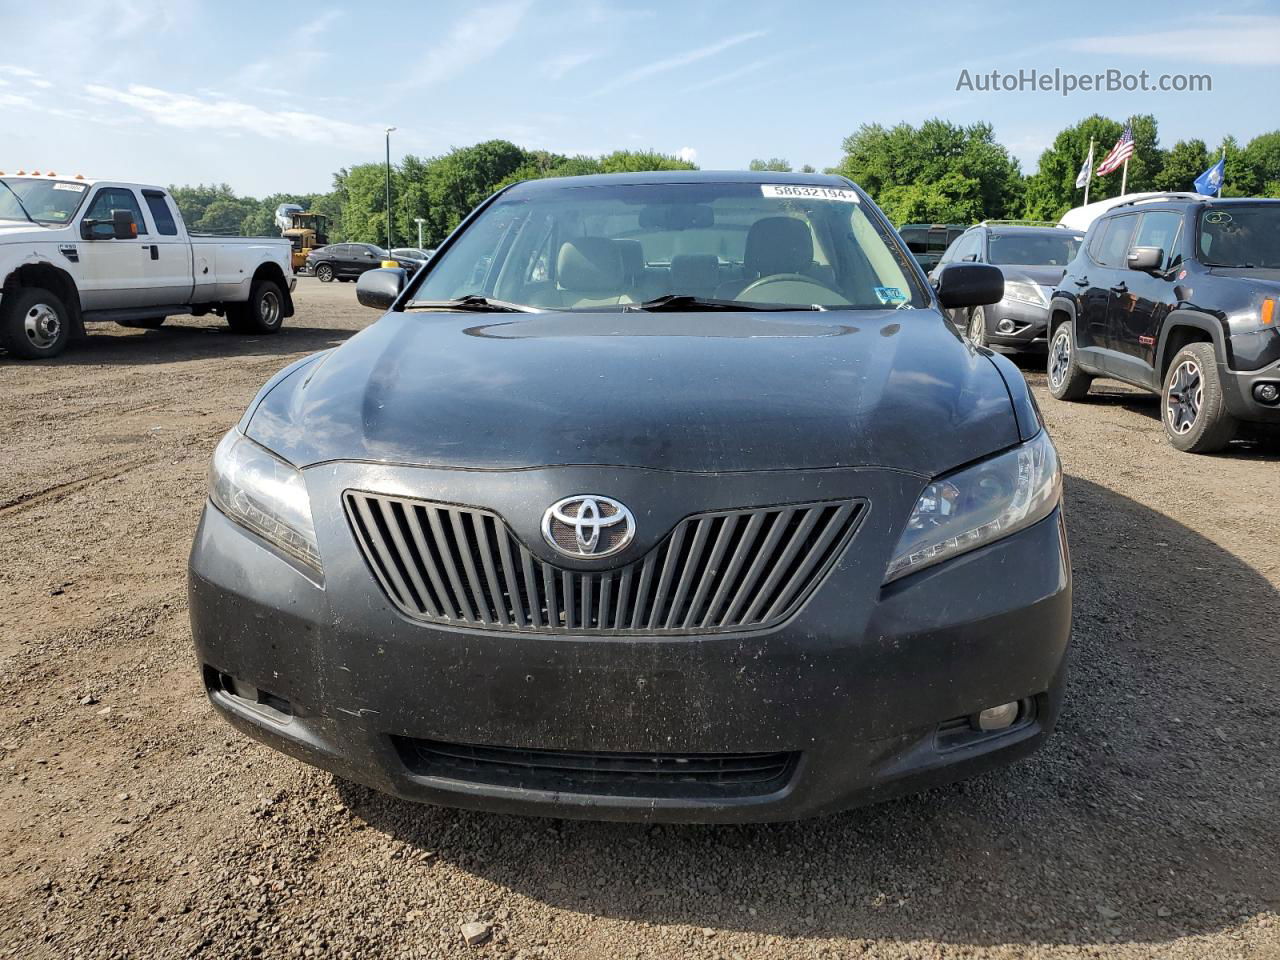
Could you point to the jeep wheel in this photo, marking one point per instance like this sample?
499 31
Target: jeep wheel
323 272
263 313
34 324
1066 380
1192 405
977 331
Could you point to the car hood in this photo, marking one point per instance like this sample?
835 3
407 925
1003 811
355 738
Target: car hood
1265 276
1044 276
701 392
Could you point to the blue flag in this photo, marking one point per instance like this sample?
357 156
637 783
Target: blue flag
1210 182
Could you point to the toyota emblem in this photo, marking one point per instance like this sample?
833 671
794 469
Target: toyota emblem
588 527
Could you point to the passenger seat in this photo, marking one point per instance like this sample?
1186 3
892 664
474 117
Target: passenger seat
696 274
590 272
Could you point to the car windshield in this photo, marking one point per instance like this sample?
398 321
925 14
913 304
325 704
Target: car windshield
1053 248
594 247
1241 235
47 201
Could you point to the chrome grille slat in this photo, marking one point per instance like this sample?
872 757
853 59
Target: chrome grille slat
720 571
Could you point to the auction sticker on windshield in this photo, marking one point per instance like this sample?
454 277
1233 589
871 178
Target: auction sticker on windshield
73 187
807 192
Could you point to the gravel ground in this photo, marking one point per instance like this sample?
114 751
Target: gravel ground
133 823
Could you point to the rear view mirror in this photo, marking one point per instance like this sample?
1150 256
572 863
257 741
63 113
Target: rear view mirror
380 288
1145 259
969 285
97 230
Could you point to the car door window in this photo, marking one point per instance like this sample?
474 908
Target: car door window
160 213
109 199
1113 245
1159 228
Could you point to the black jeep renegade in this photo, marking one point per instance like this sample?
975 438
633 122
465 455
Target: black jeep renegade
1177 295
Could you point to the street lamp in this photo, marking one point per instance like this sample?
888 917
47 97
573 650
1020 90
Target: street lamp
390 130
419 221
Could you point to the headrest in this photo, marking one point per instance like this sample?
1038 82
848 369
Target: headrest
778 245
694 272
632 259
590 265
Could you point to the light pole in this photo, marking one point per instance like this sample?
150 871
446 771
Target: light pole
419 221
390 130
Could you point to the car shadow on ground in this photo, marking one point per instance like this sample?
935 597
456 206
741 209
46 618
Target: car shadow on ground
190 341
1147 817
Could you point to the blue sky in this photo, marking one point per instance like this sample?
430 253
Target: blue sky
274 97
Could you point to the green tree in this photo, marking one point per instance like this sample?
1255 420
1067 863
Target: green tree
223 216
1262 158
936 172
776 164
194 201
807 168
639 161
363 202
1238 176
1183 162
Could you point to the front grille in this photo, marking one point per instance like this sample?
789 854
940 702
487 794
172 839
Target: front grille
667 775
730 570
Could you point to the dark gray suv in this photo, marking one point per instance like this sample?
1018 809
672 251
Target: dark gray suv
1032 256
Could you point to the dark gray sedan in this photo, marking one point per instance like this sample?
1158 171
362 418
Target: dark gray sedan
661 496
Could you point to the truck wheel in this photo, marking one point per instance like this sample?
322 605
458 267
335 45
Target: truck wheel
323 272
1194 410
1066 380
262 313
34 324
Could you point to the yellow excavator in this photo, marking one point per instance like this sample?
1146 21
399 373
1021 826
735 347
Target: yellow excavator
307 231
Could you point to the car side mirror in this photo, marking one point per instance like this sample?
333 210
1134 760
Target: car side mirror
1145 259
124 227
379 288
97 230
969 285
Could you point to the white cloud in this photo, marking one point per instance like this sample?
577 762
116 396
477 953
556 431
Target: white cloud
15 100
687 154
22 73
680 60
229 117
557 67
743 71
1223 39
476 36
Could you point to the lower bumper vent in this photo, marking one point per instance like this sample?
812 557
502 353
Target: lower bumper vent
641 775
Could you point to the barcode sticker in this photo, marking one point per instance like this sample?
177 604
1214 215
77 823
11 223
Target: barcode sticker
73 187
804 191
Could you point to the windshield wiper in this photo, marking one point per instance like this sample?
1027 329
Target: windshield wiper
474 302
685 301
21 205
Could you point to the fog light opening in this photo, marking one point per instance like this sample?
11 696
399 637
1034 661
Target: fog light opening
1268 393
997 718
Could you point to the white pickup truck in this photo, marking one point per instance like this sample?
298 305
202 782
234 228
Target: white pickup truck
73 251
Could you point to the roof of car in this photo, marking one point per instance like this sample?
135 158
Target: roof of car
681 176
1026 228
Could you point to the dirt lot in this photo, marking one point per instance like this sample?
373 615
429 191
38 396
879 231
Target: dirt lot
133 823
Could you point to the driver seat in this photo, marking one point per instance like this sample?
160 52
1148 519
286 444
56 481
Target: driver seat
774 245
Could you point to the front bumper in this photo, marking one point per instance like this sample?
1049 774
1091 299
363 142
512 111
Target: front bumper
861 688
1237 389
1030 322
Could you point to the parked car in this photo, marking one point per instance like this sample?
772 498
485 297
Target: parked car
1177 295
536 541
75 251
411 257
1032 258
344 261
928 241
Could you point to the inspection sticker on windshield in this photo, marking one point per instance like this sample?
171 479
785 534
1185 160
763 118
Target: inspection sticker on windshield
890 295
73 187
801 191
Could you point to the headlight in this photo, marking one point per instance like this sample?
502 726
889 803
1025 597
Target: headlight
980 504
263 493
1025 292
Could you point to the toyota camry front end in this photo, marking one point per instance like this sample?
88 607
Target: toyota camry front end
663 496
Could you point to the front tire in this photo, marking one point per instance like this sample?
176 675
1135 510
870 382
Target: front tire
34 324
1066 380
323 272
262 313
977 331
1192 405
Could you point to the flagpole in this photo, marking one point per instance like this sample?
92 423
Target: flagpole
1124 177
1223 179
1089 179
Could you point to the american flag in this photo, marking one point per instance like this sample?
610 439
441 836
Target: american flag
1121 152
